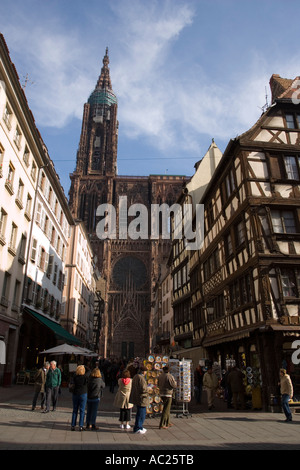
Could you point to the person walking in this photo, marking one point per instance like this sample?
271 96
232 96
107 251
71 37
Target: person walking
210 382
139 397
235 381
286 390
122 399
166 385
95 388
52 385
39 385
198 383
79 397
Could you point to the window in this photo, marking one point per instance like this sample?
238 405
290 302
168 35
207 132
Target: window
291 167
290 281
26 156
210 216
50 266
10 178
283 221
38 213
215 308
211 265
17 137
43 259
28 206
55 274
42 181
5 289
13 237
7 116
240 292
19 196
1 160
229 183
22 252
33 171
3 219
16 297
228 245
240 234
292 121
33 250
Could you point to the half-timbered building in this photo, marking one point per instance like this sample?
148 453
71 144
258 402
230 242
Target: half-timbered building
245 280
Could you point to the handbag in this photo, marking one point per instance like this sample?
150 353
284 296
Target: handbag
71 387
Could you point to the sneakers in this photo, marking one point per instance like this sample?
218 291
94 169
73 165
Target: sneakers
123 426
140 431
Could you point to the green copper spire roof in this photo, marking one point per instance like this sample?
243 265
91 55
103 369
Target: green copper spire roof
103 93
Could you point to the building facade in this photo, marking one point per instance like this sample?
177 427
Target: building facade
130 266
35 224
79 287
244 281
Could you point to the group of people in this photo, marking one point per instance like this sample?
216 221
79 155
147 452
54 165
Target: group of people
47 383
232 382
133 390
87 388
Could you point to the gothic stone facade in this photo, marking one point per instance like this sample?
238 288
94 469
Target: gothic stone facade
129 267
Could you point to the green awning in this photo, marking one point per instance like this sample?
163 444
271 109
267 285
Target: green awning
57 329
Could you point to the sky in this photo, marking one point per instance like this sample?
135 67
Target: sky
184 72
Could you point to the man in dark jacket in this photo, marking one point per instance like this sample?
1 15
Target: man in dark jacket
139 397
53 381
235 381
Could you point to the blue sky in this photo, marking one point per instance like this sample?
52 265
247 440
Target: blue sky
184 72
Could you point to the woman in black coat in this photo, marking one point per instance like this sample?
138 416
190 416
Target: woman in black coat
80 381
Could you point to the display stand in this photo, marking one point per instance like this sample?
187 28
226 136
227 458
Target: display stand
182 372
154 364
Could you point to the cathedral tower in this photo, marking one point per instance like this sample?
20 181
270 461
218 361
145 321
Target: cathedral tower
129 267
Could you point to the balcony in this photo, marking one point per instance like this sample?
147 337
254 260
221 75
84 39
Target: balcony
9 186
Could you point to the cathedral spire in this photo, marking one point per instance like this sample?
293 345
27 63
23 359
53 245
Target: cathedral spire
104 79
103 93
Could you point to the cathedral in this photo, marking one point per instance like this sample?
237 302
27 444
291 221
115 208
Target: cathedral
129 266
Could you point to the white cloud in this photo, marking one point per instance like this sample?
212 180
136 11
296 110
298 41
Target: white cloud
161 99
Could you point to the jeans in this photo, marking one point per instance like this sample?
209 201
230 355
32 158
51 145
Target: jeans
91 413
285 406
139 418
79 403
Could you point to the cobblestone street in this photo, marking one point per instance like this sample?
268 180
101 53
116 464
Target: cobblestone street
221 429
